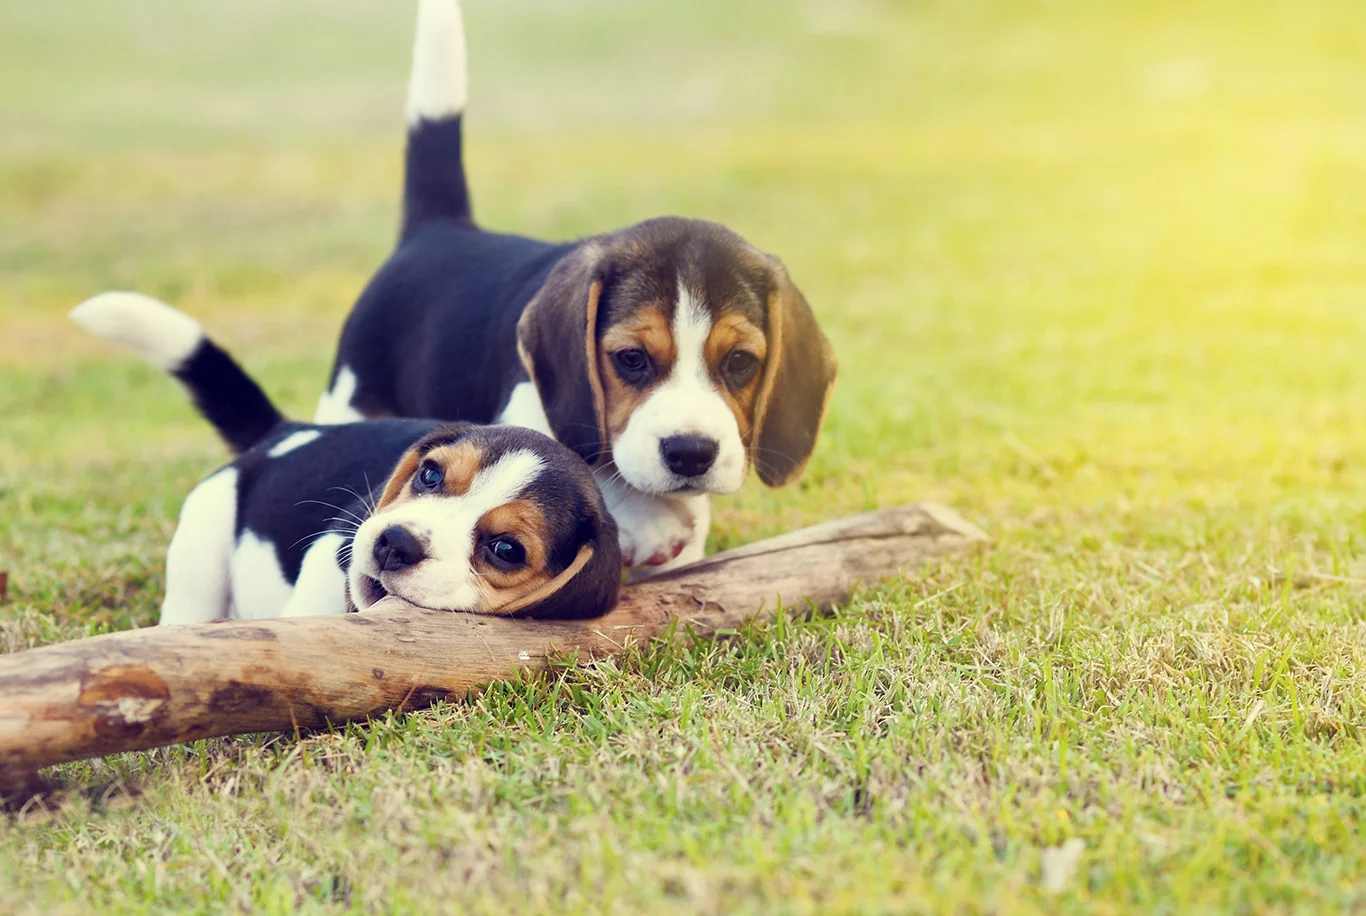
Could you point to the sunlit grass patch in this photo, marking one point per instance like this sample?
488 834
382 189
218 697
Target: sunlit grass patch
1095 276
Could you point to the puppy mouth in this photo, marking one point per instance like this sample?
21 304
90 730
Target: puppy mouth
700 485
371 591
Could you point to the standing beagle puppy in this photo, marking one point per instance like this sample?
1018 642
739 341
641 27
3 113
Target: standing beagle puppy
671 355
324 519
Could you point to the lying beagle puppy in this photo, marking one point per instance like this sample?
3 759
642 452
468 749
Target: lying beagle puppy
325 519
670 355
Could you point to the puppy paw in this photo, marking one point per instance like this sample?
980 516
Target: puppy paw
653 534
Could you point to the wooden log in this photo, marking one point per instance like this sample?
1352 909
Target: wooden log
151 687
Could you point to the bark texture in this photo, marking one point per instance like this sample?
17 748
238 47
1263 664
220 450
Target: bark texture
151 687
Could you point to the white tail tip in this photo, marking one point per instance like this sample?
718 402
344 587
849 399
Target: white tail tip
439 84
149 327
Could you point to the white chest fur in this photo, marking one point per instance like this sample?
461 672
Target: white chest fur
656 532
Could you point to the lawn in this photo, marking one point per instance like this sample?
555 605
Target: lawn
1096 273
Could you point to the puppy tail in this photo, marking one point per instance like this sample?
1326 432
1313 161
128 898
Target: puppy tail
175 343
434 181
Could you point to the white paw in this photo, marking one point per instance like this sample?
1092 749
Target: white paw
655 531
652 531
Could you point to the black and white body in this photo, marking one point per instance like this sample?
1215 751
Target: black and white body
312 519
671 355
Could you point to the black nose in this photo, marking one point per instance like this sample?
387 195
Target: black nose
688 456
396 548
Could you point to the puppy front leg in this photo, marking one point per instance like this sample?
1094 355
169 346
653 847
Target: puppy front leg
199 558
699 507
653 530
321 586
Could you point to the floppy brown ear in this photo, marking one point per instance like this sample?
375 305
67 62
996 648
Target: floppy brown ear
587 587
799 375
557 338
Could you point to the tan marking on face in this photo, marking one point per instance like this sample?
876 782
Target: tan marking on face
522 520
648 329
396 488
459 465
732 332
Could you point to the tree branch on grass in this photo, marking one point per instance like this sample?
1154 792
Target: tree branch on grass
146 688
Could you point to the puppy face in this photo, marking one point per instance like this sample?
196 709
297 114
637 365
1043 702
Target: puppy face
492 520
681 354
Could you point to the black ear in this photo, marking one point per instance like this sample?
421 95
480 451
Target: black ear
588 586
799 375
557 337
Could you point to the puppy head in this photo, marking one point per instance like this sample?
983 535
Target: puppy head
681 354
492 520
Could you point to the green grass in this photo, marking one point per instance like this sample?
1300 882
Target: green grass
1096 273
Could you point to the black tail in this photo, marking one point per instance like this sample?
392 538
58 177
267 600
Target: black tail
434 179
175 343
227 397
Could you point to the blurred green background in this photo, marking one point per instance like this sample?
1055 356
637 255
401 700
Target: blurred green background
1096 273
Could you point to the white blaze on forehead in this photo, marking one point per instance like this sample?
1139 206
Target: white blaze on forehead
447 525
503 480
686 403
691 326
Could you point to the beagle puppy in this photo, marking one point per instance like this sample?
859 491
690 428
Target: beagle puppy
671 355
326 519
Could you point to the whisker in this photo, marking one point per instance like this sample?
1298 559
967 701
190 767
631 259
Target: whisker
369 503
348 511
365 503
319 502
317 535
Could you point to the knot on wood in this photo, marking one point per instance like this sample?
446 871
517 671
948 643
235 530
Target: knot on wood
238 698
123 699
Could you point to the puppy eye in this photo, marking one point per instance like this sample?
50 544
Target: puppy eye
430 477
740 367
633 365
506 552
